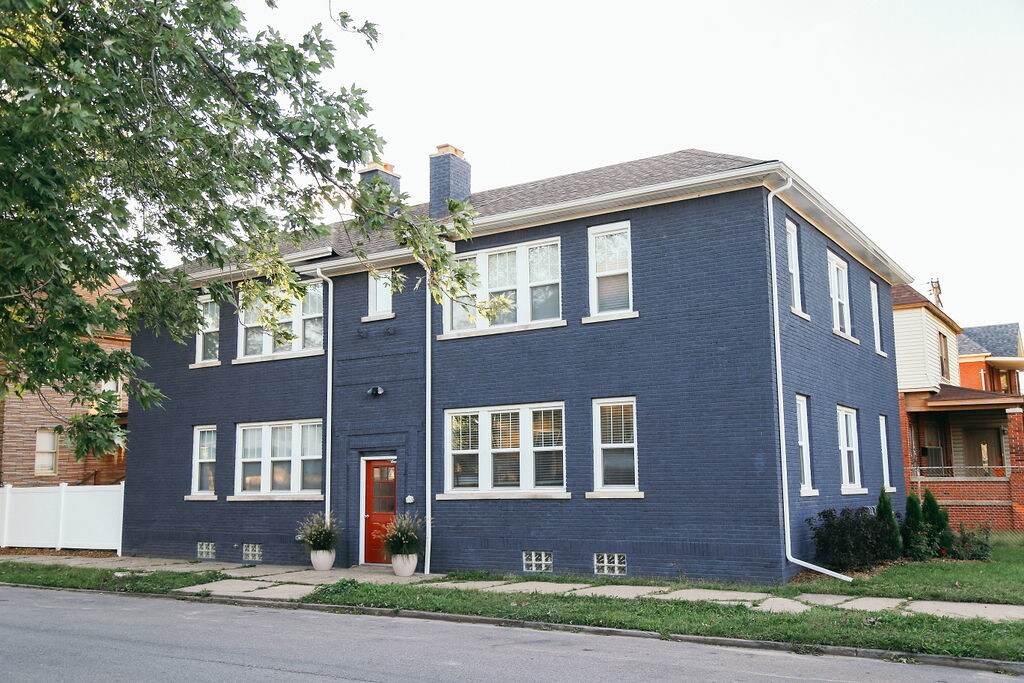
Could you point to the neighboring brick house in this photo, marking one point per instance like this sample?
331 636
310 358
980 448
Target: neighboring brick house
963 443
991 358
33 454
699 359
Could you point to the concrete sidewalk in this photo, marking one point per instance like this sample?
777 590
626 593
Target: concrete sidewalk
279 582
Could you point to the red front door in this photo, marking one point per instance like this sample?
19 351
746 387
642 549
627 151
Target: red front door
379 508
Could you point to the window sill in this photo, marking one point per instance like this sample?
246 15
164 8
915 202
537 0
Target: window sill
274 496
377 316
883 354
539 325
890 489
278 356
504 495
845 336
800 314
204 364
45 473
605 317
592 495
806 493
852 491
201 496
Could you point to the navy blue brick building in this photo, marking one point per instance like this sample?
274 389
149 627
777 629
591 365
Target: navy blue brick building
696 356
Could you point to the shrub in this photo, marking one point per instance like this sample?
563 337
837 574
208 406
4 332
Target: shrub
403 536
912 530
848 539
318 531
890 545
972 545
936 522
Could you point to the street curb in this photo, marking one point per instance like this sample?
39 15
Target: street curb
973 664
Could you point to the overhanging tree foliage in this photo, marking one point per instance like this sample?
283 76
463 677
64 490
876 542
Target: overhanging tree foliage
126 125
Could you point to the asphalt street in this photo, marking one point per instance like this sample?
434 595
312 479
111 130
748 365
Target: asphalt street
49 635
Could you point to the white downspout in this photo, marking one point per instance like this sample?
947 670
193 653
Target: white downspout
330 389
429 522
982 371
780 400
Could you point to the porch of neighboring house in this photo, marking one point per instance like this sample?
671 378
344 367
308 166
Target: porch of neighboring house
967 447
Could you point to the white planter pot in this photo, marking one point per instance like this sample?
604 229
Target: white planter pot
322 559
404 565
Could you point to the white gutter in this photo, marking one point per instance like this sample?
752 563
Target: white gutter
329 340
780 400
427 432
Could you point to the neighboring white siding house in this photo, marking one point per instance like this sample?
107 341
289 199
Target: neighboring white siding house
918 358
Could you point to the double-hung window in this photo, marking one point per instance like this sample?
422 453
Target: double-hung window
615 459
526 277
943 356
796 300
849 454
803 444
876 320
611 286
208 335
379 292
279 458
204 459
46 452
505 449
884 437
839 291
305 320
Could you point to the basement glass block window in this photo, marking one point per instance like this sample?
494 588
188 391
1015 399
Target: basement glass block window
252 552
206 550
610 564
537 561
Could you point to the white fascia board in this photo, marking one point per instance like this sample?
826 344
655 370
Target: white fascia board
353 264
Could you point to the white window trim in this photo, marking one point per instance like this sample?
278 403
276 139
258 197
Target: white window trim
485 489
196 494
522 287
793 266
295 492
849 485
599 486
47 472
201 362
296 320
883 433
803 445
876 320
375 310
594 232
839 291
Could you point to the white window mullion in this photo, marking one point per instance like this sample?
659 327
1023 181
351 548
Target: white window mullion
526 479
481 295
523 299
266 469
485 466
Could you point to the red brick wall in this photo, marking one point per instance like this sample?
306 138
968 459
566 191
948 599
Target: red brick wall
19 420
970 375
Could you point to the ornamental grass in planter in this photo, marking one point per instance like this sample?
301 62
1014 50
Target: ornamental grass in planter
404 539
319 532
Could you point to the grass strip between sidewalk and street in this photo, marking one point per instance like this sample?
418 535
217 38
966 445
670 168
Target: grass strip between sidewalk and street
121 581
818 626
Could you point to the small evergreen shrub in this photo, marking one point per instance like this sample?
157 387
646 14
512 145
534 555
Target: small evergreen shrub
848 539
936 520
890 542
918 544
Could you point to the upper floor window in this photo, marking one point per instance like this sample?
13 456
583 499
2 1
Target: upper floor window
379 291
46 451
527 277
305 319
204 459
796 301
876 321
839 291
883 431
208 335
615 461
943 356
611 288
849 452
279 457
507 448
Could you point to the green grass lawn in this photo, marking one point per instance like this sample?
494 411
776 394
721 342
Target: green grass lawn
101 579
818 626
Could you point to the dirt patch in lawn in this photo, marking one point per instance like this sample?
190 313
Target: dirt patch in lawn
55 553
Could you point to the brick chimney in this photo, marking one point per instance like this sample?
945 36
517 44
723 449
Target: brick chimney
449 179
385 171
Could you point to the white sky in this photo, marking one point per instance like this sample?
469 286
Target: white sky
907 116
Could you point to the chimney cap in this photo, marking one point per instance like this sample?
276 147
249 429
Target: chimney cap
448 149
378 166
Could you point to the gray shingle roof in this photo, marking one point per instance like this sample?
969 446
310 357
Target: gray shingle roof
999 340
687 163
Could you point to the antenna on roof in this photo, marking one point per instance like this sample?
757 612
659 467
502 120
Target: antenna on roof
936 292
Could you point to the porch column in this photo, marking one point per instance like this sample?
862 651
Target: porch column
1015 430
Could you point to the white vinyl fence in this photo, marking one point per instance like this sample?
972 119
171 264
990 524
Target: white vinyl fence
87 517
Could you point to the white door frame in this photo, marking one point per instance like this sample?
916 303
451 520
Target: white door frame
362 497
